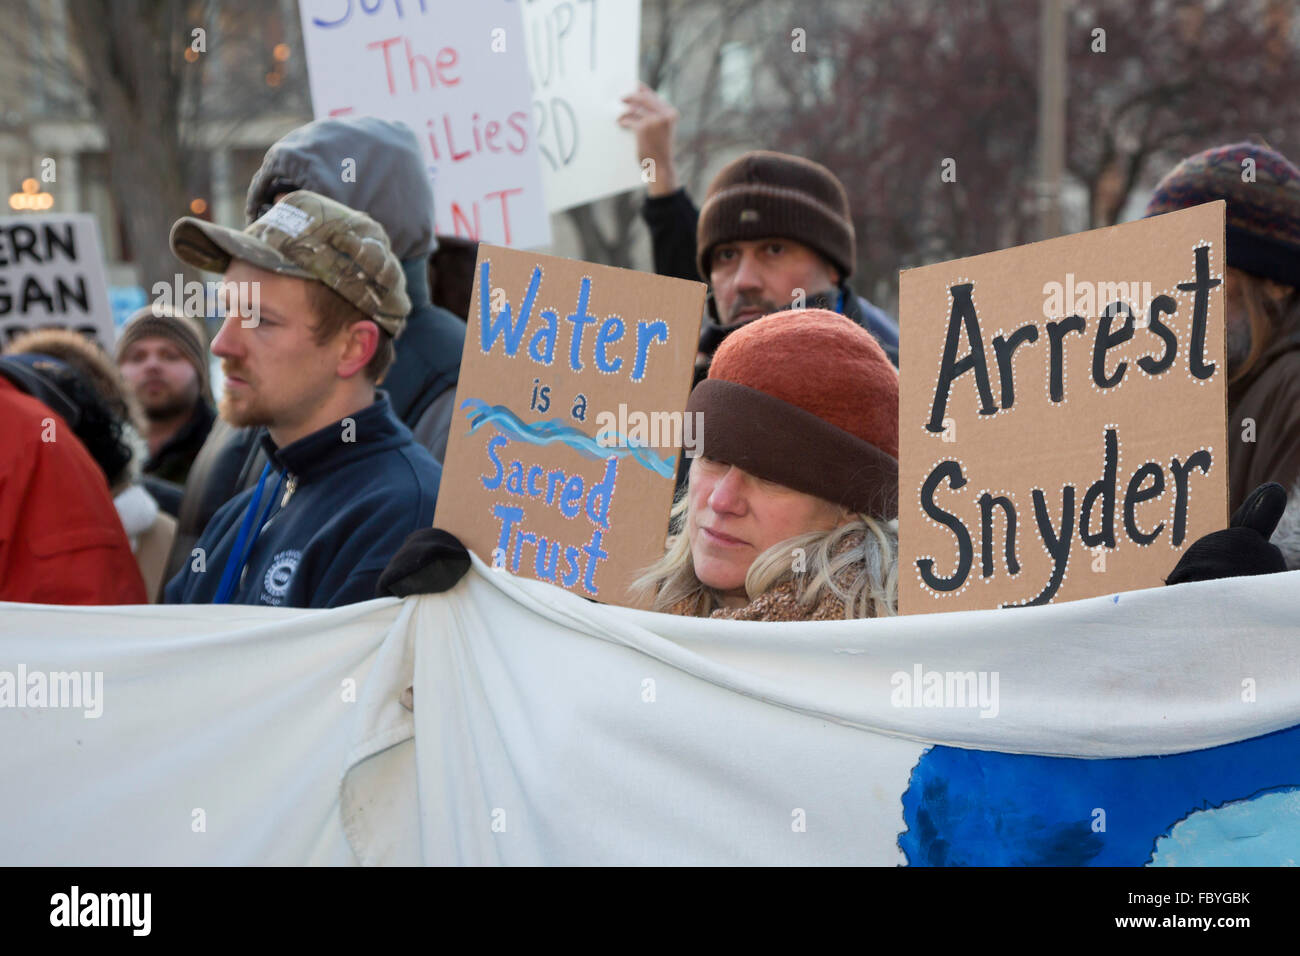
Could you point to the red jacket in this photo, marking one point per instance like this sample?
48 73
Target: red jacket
61 541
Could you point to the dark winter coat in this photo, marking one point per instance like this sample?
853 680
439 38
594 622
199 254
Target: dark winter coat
1264 436
1270 397
347 503
175 458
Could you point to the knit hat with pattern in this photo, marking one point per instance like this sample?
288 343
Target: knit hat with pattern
1262 189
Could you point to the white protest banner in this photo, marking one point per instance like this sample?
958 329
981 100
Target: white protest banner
455 74
582 55
52 274
985 739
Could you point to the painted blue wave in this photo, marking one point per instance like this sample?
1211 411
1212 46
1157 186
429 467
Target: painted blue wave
552 430
982 808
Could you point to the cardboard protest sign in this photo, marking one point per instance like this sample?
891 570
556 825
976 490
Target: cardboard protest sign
455 73
52 274
569 415
583 56
1062 415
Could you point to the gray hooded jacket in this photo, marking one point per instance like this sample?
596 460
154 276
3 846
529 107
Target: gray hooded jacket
369 164
376 166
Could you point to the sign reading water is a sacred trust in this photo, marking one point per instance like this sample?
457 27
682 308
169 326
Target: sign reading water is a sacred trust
570 414
1062 416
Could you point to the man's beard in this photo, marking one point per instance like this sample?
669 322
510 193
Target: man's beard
817 300
247 412
242 414
167 406
746 303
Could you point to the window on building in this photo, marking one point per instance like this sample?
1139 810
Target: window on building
736 75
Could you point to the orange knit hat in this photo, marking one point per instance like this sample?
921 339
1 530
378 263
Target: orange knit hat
807 399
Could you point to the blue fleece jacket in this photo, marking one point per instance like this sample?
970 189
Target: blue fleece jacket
351 494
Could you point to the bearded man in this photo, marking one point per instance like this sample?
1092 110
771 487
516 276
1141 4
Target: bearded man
162 357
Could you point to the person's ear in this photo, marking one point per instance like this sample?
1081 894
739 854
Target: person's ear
359 348
832 271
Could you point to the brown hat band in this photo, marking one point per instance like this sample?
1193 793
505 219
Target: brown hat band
748 211
777 441
783 193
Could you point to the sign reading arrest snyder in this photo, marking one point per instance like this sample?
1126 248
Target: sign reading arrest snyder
569 416
1062 415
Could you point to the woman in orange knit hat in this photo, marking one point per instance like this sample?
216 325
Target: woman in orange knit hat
790 510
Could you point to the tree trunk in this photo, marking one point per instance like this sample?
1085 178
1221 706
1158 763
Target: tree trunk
132 48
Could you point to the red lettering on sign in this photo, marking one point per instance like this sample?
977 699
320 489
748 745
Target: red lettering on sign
388 63
505 211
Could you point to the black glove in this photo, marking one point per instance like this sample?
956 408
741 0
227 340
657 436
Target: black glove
1243 547
429 561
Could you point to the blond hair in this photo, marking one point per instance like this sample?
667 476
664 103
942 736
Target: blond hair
828 568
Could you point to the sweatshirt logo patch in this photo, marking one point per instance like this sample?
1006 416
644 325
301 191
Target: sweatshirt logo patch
278 576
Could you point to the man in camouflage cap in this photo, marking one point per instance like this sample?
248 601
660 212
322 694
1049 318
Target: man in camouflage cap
314 298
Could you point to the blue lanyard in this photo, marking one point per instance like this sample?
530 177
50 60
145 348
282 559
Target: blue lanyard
239 556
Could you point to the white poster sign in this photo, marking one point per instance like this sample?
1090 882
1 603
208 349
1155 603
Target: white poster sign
583 55
52 274
455 73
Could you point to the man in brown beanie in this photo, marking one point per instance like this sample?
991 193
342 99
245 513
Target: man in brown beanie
162 357
775 232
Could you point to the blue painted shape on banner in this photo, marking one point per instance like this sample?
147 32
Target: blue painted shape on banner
555 429
981 808
1262 830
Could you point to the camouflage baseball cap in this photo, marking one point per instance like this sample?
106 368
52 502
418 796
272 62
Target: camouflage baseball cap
308 236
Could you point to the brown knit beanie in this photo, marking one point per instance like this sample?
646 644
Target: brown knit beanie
161 321
763 195
807 399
